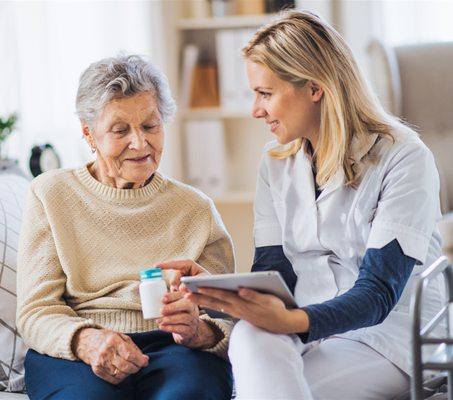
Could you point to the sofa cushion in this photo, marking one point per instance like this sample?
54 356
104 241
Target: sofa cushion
13 189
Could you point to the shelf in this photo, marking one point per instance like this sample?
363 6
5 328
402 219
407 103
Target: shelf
235 197
233 21
214 112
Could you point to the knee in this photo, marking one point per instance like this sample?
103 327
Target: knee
73 392
248 340
244 330
243 335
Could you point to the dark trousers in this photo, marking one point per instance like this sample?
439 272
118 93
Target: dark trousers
174 372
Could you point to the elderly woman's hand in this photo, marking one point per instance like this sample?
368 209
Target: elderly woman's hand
181 317
113 356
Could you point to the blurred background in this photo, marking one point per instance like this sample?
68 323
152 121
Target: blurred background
403 47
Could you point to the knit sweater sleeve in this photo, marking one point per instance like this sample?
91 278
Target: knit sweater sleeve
44 320
218 258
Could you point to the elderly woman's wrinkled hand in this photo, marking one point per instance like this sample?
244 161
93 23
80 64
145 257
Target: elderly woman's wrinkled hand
113 356
181 317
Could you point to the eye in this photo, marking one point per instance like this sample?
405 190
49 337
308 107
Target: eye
150 127
120 129
265 95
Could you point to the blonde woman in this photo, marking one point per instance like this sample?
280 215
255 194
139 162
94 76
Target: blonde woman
346 207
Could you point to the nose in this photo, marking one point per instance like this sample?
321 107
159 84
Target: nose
138 140
258 111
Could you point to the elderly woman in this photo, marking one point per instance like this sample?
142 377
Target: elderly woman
87 232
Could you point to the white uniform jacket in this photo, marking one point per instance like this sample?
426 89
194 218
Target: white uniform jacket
325 239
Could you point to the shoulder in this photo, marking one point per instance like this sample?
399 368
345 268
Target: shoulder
186 195
52 182
406 141
406 148
406 163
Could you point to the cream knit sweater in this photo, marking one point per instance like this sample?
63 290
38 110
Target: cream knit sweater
82 245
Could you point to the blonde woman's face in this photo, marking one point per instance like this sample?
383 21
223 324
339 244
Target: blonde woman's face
291 112
128 137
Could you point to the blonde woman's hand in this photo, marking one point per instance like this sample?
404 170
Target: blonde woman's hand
182 268
112 356
262 310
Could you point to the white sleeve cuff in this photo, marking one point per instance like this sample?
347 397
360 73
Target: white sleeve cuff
413 242
267 235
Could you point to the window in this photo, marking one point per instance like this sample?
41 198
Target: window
416 21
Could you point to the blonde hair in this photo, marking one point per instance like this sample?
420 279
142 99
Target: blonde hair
300 47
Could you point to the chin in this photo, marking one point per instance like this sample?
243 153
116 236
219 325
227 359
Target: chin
283 140
140 177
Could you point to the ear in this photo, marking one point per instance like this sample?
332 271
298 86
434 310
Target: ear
86 131
316 91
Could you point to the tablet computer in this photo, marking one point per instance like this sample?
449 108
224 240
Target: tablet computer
270 282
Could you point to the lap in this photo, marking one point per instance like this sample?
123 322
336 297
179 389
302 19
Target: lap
335 368
344 369
54 378
173 371
193 374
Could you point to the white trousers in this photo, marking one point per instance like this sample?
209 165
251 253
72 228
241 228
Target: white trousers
281 367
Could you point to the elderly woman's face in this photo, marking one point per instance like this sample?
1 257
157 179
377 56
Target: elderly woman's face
128 137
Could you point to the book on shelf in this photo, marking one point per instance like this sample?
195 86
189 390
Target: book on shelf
199 87
190 57
250 7
235 93
206 156
205 92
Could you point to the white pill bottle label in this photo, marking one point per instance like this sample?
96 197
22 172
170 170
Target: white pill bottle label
152 288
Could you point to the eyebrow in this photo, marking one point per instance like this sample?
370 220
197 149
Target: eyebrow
258 88
119 118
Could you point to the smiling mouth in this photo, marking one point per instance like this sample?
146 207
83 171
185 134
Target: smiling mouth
273 125
139 159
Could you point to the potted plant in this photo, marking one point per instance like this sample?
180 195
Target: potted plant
6 127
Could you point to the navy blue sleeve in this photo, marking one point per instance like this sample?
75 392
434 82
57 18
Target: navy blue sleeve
272 258
382 277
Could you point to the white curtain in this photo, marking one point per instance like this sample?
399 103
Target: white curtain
417 21
47 46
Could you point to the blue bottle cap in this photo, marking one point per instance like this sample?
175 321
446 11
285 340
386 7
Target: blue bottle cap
151 273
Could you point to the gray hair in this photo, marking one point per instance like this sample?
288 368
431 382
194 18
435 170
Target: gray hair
117 77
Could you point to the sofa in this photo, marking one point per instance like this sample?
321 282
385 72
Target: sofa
13 189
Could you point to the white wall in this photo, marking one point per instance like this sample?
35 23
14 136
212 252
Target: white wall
323 8
48 45
358 21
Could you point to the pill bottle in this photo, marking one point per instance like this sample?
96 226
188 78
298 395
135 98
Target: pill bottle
152 288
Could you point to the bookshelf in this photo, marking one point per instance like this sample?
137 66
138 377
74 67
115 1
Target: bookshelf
234 21
244 136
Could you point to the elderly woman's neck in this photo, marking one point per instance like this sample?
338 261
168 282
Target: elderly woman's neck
101 175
